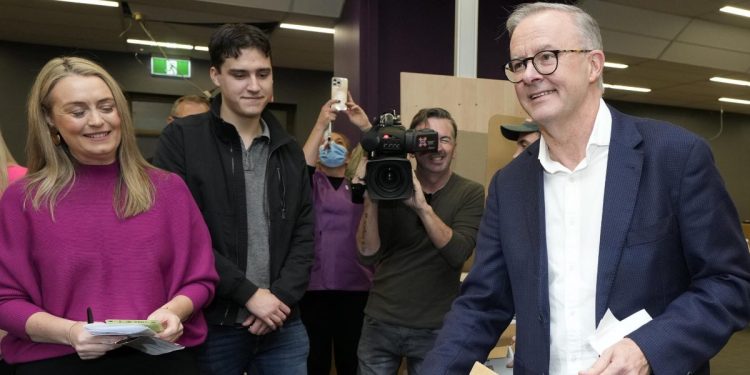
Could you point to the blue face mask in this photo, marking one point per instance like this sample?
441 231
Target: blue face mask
332 154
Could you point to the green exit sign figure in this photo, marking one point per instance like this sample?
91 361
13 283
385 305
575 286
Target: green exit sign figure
170 67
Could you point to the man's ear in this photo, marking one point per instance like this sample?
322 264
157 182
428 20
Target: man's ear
597 65
214 74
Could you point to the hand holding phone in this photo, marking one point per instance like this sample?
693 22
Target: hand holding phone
339 90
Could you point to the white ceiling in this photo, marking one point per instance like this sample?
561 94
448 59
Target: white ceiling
181 21
672 46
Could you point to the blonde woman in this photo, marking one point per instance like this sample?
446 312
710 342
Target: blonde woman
9 168
94 226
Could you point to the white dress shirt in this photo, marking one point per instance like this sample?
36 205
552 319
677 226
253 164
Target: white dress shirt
573 203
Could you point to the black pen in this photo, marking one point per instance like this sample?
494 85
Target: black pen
89 315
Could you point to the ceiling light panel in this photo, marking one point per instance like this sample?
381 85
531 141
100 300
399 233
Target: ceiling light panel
736 11
614 65
735 101
315 29
104 3
627 88
160 44
730 81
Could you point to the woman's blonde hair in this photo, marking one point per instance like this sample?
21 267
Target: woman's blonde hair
51 167
6 158
344 139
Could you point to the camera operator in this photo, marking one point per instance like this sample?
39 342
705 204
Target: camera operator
417 246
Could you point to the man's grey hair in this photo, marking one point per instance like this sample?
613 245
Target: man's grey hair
591 36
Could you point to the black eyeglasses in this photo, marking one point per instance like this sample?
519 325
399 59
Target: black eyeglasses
545 62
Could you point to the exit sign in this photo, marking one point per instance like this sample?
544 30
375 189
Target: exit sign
161 66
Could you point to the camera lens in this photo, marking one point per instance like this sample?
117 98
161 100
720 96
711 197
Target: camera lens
389 178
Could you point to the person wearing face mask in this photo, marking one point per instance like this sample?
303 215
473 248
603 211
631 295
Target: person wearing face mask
333 306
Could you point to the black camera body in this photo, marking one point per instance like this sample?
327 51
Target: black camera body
387 144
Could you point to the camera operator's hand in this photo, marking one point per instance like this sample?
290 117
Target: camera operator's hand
417 202
357 115
438 232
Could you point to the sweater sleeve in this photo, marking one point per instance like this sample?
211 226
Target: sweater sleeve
193 271
19 288
465 224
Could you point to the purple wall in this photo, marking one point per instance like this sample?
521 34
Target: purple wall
377 40
415 36
380 39
492 39
347 60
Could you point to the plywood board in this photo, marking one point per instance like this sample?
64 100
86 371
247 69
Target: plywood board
477 105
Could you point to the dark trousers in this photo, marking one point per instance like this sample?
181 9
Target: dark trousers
334 323
232 350
6 369
123 361
383 346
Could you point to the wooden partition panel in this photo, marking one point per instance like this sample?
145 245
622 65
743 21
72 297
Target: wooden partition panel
479 106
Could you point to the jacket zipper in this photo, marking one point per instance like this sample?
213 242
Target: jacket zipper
237 255
283 193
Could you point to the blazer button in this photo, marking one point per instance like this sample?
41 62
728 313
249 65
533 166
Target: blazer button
541 319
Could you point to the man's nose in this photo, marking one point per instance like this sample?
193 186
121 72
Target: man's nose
530 73
253 84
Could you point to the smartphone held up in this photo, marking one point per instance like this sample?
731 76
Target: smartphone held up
339 90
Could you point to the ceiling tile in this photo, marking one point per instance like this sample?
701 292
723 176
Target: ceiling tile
717 36
628 19
707 56
633 45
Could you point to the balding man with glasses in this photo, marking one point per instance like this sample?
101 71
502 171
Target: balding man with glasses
607 218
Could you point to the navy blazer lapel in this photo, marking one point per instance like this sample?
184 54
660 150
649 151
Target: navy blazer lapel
620 192
533 213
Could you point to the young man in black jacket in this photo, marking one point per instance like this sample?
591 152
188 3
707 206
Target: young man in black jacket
250 180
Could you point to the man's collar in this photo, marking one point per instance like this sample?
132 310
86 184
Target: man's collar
600 136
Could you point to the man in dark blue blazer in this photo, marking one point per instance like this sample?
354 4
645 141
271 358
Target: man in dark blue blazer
605 212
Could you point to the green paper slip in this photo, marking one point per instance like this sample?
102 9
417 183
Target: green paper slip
153 325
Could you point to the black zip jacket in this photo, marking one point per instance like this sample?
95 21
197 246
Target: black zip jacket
207 153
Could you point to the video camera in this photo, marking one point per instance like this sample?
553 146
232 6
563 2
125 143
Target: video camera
387 143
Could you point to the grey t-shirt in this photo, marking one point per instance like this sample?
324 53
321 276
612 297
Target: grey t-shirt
254 161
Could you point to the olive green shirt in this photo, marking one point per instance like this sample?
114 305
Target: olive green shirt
414 282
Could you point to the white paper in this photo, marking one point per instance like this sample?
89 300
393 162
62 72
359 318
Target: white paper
153 345
144 337
611 330
498 366
130 330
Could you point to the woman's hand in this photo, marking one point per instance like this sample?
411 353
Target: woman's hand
357 115
88 346
327 114
170 322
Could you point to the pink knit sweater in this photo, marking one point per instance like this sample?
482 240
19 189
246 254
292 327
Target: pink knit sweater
88 257
15 172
